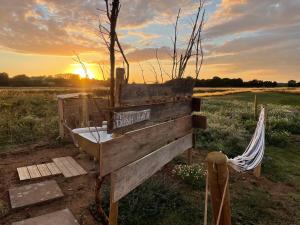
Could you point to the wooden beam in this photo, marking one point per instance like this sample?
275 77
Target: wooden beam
134 145
196 104
135 94
218 174
131 176
199 121
61 117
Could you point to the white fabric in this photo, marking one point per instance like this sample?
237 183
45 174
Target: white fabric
254 153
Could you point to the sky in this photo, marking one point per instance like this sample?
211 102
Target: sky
250 39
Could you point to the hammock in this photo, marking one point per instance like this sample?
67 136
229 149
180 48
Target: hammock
254 153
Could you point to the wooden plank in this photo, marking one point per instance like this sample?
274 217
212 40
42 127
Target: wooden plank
33 171
129 177
160 112
53 168
133 145
141 93
43 169
23 173
79 169
123 119
62 167
34 193
61 217
196 104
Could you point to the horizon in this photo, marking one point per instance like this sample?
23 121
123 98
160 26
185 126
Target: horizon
40 37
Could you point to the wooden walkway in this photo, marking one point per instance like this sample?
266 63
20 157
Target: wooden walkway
64 165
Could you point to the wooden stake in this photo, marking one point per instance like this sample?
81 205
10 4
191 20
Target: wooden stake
255 107
113 207
85 113
217 177
120 79
257 171
61 117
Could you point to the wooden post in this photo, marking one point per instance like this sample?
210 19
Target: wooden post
255 107
61 117
120 79
217 176
85 111
113 206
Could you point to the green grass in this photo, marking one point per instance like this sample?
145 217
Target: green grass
266 98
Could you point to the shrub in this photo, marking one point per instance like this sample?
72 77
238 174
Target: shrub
277 138
193 175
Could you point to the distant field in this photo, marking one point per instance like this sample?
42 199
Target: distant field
207 92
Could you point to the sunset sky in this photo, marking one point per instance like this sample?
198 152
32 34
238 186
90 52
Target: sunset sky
242 38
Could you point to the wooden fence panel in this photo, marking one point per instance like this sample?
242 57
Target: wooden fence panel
131 176
127 148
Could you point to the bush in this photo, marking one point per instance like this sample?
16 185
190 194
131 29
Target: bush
193 175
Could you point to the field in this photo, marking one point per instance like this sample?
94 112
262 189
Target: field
174 196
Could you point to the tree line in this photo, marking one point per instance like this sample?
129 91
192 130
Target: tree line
74 80
59 80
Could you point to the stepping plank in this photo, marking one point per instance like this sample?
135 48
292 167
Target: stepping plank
62 167
76 165
23 173
34 193
69 167
61 217
53 168
33 171
43 169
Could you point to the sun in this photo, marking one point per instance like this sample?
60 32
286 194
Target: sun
81 73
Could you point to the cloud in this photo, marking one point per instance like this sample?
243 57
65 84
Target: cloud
60 26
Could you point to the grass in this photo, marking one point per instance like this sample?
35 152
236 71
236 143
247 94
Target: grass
30 116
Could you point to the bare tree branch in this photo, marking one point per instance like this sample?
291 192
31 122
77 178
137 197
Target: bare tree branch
161 75
142 73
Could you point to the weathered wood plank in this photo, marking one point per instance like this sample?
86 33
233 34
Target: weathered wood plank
129 177
23 173
199 121
123 119
33 171
43 169
69 166
159 112
142 93
61 217
133 145
58 162
79 169
53 168
34 193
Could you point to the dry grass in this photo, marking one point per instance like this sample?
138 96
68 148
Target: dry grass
208 92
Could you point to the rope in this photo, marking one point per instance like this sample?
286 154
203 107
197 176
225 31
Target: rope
223 198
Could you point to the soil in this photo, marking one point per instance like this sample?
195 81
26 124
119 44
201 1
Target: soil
78 191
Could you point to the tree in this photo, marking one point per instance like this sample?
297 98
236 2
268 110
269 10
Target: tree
292 83
193 47
4 79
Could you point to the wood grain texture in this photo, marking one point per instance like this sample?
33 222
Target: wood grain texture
53 168
23 173
129 177
43 169
33 171
136 94
134 145
62 167
79 169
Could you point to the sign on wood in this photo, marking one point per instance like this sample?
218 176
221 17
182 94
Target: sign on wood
129 177
122 119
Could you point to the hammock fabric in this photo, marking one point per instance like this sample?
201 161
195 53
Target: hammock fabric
254 153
